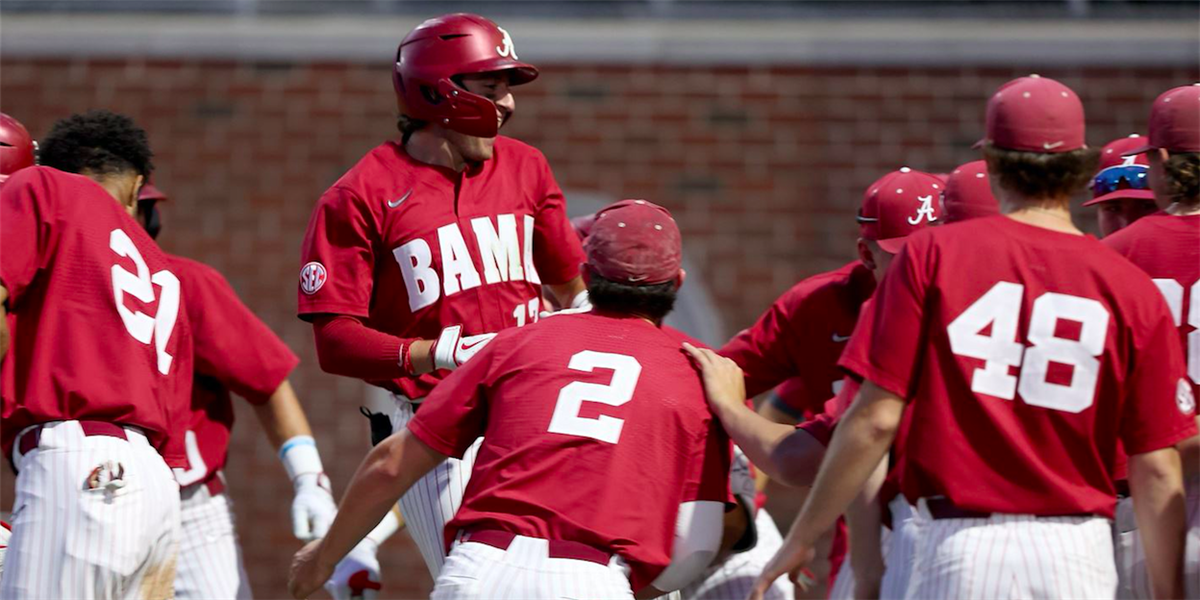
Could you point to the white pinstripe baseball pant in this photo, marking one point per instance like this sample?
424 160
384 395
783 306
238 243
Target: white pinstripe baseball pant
210 559
80 541
899 548
432 501
1133 582
475 571
1012 556
732 578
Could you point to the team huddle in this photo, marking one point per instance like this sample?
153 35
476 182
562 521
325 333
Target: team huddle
987 403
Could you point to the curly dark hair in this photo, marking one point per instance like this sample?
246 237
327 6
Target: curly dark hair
1182 172
98 141
1041 176
651 301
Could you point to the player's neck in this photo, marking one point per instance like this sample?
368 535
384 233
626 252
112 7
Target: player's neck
1180 209
1054 215
426 146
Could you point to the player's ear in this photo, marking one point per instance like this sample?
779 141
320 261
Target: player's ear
679 279
865 255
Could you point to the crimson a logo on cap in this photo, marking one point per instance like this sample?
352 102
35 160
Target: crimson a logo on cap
312 277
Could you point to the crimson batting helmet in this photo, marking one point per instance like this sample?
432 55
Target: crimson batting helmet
16 146
441 48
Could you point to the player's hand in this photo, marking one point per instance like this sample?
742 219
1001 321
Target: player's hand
791 558
724 383
356 577
313 508
307 573
451 350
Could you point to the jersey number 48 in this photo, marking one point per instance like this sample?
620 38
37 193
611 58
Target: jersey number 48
1000 308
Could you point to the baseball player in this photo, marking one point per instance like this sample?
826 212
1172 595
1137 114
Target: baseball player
1167 247
1121 190
803 333
1026 350
16 153
92 428
597 447
235 352
750 536
968 194
433 243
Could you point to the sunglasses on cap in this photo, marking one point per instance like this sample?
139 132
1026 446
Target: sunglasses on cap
1110 180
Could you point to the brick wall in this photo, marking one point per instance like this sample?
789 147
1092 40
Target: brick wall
763 168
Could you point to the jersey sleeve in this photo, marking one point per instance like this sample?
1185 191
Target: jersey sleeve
338 256
888 338
762 350
708 477
231 344
1160 408
455 413
557 253
26 232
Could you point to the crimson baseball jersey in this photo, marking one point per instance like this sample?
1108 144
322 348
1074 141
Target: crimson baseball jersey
412 248
102 333
1168 249
1025 354
802 335
234 351
601 432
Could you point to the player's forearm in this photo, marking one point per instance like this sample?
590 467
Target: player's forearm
384 475
755 435
347 347
1158 503
863 524
859 444
281 416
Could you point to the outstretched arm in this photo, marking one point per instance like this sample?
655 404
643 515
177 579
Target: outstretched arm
1156 484
384 475
859 444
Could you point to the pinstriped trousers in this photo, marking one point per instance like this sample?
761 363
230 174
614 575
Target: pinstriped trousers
899 543
524 571
80 541
1012 556
210 559
431 502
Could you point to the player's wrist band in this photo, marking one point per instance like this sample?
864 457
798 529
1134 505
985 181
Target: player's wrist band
406 365
300 457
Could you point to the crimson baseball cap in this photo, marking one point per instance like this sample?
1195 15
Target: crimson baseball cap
634 242
968 194
583 225
898 204
1174 121
1034 114
149 192
1121 175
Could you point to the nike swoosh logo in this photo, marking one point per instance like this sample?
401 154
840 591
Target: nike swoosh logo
395 203
837 339
1049 146
466 347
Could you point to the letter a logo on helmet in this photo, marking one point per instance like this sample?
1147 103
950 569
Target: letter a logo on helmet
439 49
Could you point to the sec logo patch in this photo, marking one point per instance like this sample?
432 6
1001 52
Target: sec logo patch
312 277
1184 397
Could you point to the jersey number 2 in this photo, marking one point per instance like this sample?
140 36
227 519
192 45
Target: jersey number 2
566 420
1000 308
142 327
1173 291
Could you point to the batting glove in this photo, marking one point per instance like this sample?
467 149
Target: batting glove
313 508
356 577
452 350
